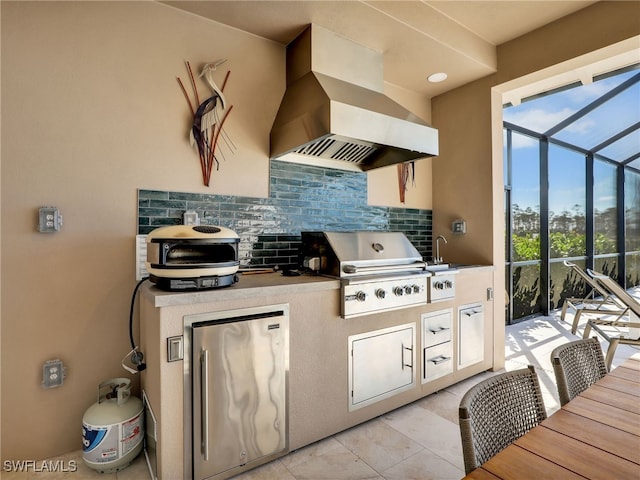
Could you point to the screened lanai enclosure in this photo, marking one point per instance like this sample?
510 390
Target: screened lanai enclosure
572 190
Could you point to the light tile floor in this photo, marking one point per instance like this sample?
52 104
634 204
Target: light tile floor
420 441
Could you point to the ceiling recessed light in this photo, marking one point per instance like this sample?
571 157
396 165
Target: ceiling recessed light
437 77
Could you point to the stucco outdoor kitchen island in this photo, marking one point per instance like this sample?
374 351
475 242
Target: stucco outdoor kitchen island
329 357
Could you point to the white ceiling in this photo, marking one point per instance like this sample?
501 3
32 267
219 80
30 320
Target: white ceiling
417 37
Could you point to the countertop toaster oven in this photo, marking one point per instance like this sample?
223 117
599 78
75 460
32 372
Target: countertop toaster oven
185 257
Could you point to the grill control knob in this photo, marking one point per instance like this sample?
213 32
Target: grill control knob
381 293
408 290
438 285
448 284
361 296
416 288
399 291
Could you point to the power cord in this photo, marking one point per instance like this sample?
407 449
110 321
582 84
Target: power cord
135 355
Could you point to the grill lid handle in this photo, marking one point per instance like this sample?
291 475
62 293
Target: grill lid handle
383 268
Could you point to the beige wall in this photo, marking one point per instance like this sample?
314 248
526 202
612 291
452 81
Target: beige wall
92 111
1 457
468 176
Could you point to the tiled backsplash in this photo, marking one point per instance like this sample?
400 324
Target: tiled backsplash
302 198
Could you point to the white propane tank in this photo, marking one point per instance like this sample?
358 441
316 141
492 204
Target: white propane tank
112 428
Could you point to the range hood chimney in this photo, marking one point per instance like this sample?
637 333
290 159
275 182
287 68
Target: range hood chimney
334 112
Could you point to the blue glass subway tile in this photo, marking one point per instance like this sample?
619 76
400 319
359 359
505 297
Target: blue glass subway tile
145 230
248 201
276 245
272 261
196 197
288 238
315 212
268 238
201 205
173 213
295 182
225 199
153 194
302 198
164 221
153 212
208 219
169 204
263 253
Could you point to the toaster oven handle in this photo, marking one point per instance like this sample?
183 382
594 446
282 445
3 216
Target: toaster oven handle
384 268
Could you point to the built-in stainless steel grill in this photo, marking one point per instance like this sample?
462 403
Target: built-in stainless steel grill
380 271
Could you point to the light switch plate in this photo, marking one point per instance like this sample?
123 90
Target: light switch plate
175 349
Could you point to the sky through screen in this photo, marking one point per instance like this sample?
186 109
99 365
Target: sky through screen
566 166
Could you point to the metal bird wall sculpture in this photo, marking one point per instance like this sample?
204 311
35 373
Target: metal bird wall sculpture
208 119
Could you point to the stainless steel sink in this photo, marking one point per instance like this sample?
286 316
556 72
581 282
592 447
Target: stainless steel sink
440 268
433 267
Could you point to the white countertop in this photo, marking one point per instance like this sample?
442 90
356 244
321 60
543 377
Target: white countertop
255 284
248 286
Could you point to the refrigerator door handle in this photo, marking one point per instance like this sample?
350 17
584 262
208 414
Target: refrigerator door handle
204 403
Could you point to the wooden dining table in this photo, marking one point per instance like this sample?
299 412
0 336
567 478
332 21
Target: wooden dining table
595 436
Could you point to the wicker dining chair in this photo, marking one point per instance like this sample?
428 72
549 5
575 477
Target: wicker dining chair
577 365
496 412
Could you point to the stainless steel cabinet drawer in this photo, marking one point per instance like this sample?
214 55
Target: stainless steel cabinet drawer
438 361
436 328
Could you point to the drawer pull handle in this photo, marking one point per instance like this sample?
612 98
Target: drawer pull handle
409 365
438 330
440 359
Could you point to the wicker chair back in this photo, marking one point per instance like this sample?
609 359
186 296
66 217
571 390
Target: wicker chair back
498 411
577 365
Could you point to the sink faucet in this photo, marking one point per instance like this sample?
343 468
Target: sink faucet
438 258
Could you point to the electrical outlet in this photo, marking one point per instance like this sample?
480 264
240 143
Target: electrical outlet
49 220
190 217
52 373
459 227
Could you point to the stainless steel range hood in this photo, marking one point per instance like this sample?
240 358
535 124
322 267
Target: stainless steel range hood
334 112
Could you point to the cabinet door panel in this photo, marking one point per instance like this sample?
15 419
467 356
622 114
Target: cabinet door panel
381 364
239 393
471 335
